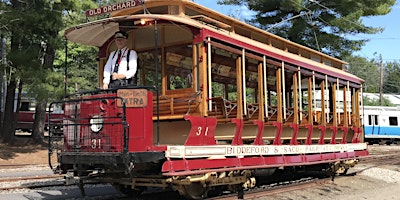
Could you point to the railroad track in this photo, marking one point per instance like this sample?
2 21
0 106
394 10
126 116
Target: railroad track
382 159
15 166
31 178
32 182
263 191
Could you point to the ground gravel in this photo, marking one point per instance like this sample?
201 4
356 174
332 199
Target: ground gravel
372 182
385 175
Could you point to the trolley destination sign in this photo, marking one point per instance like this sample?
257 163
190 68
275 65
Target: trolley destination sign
265 150
113 7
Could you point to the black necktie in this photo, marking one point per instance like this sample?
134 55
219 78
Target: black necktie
117 62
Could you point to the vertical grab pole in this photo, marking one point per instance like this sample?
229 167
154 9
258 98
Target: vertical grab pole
348 109
209 72
300 95
265 86
353 107
326 97
157 88
337 100
244 82
315 100
361 100
283 91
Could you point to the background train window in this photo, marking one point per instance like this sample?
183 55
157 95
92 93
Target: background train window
24 106
393 121
372 119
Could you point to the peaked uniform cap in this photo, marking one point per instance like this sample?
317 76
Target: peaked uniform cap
121 34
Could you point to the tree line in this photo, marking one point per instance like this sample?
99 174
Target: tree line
33 58
37 60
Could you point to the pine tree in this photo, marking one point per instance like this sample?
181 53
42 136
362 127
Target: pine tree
323 25
33 29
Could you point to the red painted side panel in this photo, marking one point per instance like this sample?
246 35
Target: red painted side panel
313 158
138 127
294 159
251 162
237 139
331 156
77 128
195 166
343 155
26 119
202 131
274 160
140 124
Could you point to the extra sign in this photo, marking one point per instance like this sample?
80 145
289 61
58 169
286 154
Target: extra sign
114 7
134 98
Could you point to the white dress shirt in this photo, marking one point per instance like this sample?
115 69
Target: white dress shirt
122 69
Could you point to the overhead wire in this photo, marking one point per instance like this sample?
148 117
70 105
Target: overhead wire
315 35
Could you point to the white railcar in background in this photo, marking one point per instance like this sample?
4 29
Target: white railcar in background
381 124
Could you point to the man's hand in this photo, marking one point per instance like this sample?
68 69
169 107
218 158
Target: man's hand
116 76
105 86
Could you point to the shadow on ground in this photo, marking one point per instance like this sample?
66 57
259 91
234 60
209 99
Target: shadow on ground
21 145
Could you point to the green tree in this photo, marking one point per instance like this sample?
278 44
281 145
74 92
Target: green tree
81 67
364 69
80 64
323 25
24 53
33 30
391 81
375 102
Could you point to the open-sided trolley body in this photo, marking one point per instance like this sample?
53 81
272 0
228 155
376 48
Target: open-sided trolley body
218 103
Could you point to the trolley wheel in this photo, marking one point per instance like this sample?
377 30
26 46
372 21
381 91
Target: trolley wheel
127 190
344 172
194 191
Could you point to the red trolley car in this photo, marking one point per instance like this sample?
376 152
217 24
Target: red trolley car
219 103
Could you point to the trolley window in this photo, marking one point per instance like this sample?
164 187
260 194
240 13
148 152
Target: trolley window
24 106
393 121
179 65
146 74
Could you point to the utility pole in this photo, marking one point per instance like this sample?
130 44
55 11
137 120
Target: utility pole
381 83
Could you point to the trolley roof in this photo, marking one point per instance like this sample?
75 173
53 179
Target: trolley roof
97 33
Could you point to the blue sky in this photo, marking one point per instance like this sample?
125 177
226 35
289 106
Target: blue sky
386 43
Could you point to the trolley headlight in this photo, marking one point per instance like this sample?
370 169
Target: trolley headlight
96 123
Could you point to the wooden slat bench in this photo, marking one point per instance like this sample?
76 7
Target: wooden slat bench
176 105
